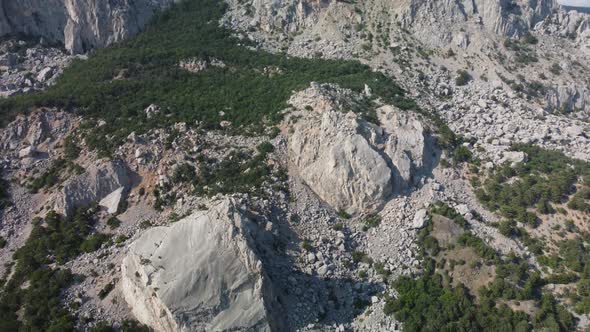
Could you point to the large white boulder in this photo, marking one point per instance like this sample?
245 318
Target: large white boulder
348 162
200 274
338 163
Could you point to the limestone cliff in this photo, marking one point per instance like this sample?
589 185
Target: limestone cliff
79 25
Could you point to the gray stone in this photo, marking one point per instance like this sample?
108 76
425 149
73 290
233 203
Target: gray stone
45 74
420 219
200 274
27 152
112 201
98 182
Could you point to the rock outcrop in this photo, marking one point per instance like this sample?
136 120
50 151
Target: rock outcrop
36 129
79 25
568 98
350 163
200 274
571 23
436 22
97 182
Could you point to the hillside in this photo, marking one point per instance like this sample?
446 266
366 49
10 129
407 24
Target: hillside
294 166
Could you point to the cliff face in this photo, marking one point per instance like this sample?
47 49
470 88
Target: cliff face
79 25
435 22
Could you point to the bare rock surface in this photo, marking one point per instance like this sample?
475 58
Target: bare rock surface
350 163
78 25
98 182
198 274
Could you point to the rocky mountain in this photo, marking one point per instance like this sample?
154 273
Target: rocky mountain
309 165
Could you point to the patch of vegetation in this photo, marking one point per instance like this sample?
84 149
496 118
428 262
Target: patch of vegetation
71 149
37 307
547 177
524 55
425 304
240 172
580 201
445 210
305 245
432 302
106 290
461 154
265 148
572 264
145 224
49 178
555 69
463 77
371 221
361 257
530 39
93 242
184 173
126 326
113 222
338 227
343 214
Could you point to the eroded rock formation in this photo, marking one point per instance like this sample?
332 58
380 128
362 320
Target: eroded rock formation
352 164
96 183
200 274
78 25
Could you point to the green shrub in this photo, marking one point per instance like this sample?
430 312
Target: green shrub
426 305
305 245
93 242
546 177
265 148
49 178
343 214
239 172
106 290
371 221
184 173
445 210
461 154
483 250
113 222
530 39
463 77
71 150
51 244
555 69
133 326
